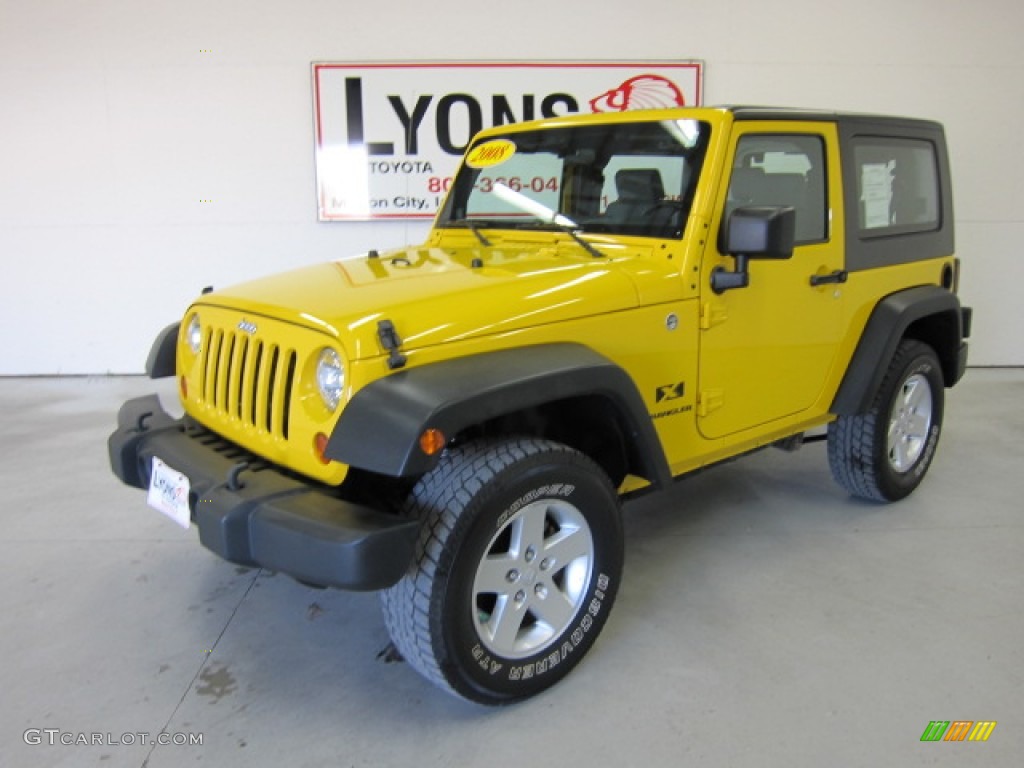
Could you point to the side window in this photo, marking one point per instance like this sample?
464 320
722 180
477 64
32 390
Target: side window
897 186
783 169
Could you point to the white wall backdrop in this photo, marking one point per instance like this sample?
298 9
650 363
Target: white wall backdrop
114 124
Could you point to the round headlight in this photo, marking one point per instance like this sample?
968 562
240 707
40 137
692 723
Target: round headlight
194 335
330 378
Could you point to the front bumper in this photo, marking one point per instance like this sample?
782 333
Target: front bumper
250 513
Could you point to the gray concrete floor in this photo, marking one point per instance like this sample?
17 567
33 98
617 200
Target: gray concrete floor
765 620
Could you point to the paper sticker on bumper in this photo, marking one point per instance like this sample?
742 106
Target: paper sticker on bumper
168 493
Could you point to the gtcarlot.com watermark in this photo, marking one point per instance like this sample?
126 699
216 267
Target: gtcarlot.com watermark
56 736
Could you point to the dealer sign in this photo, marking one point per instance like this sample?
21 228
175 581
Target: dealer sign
389 136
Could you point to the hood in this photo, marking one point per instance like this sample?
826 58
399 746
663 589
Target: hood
437 295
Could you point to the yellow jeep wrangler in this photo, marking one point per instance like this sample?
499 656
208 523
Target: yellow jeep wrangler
604 304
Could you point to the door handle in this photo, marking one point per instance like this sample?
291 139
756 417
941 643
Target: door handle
839 276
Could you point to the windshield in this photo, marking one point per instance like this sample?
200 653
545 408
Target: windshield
627 178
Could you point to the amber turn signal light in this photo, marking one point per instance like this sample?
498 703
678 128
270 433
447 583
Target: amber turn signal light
432 441
320 447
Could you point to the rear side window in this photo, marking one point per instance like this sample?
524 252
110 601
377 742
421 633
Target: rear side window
897 186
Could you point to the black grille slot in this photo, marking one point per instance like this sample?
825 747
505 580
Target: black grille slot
288 381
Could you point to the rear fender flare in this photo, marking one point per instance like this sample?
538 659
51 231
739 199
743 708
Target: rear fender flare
887 326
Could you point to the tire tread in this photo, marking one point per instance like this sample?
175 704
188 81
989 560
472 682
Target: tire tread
853 440
436 500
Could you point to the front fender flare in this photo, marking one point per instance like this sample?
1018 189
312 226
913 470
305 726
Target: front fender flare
162 355
380 427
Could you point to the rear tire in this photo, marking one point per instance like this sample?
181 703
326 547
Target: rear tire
883 454
516 569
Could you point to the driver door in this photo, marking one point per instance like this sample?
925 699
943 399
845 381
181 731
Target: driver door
766 350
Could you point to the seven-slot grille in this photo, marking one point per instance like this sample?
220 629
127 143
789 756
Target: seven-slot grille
247 379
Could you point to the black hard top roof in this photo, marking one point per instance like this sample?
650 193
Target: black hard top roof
741 112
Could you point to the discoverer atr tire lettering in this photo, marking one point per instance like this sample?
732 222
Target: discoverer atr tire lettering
883 454
515 571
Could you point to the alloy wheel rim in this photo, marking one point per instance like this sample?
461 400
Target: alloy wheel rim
910 422
531 583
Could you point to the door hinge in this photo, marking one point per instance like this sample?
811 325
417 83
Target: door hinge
712 314
710 400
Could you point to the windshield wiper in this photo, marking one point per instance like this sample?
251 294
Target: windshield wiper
474 227
544 214
574 233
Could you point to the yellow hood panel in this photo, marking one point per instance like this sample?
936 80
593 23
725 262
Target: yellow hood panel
435 295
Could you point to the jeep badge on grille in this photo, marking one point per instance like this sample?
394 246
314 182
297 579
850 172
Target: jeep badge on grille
247 327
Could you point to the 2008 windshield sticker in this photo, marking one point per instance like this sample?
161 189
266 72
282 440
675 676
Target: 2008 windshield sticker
491 153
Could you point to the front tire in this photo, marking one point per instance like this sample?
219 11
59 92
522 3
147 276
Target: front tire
883 454
516 569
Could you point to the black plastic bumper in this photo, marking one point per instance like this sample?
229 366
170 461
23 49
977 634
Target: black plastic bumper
262 517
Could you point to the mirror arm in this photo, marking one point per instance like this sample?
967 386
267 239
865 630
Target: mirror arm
722 280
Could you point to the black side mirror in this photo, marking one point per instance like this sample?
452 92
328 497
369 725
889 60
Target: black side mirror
754 232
